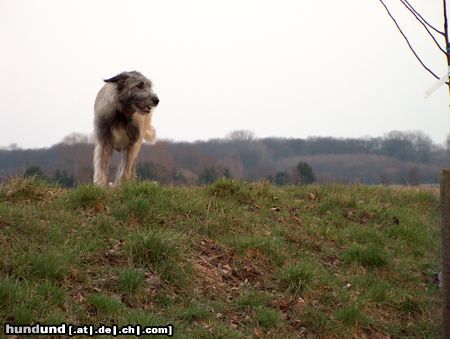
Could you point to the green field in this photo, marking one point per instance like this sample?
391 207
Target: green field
232 259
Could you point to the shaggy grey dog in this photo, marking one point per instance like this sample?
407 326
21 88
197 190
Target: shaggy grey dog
122 119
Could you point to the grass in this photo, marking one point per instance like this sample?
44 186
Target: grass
48 266
350 315
27 189
296 278
370 257
104 304
265 245
252 299
194 312
161 251
268 318
232 259
129 280
88 196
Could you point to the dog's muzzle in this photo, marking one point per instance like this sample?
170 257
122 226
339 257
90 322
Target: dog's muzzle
148 108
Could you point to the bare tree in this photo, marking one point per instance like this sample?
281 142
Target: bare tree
427 27
445 177
241 135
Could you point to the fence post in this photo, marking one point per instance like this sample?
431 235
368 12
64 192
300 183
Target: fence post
445 210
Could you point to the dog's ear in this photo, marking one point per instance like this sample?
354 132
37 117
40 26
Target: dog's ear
119 79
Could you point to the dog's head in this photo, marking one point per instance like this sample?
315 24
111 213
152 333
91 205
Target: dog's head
134 92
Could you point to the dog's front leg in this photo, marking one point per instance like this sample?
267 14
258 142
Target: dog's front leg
102 158
126 168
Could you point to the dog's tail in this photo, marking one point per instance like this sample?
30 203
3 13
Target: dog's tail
149 132
150 135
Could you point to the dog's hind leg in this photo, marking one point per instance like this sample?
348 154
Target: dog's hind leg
126 168
102 158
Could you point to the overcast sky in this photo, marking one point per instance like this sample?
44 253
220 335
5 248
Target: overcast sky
279 68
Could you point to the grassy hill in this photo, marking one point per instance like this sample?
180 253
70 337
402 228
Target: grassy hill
228 260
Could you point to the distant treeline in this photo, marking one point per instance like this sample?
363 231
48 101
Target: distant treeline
395 158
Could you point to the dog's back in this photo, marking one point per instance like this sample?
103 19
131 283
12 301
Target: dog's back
106 100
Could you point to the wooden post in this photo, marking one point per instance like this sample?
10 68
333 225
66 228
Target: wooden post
445 208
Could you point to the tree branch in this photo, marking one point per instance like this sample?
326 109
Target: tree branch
417 14
446 26
422 21
447 44
407 41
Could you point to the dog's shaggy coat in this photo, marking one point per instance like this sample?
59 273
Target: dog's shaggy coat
122 119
